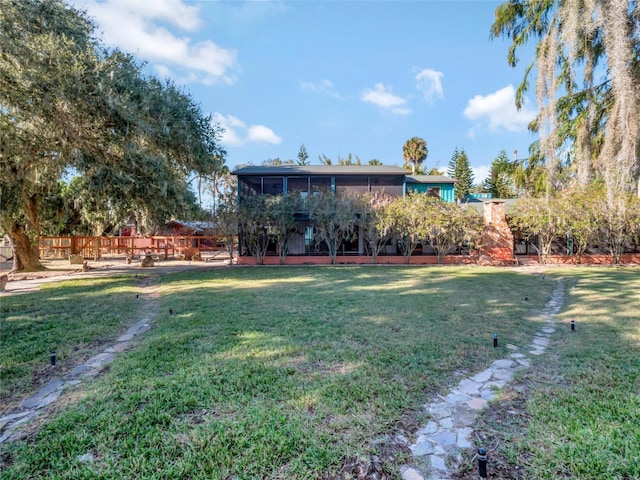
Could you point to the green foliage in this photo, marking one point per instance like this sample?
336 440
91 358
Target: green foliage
226 221
303 156
376 222
537 218
408 221
453 163
501 180
450 225
334 219
414 152
253 222
581 218
460 170
264 219
585 215
68 104
531 176
619 224
277 162
587 66
345 161
280 211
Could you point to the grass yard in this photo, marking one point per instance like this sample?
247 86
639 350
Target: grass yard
73 318
304 372
580 414
587 424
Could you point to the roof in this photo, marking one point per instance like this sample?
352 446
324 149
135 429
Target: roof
292 170
198 226
429 179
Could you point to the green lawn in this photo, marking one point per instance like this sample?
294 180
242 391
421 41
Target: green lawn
586 422
73 318
292 372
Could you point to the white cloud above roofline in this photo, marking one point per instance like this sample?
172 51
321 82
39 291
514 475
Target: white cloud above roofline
383 97
237 133
498 111
146 28
429 82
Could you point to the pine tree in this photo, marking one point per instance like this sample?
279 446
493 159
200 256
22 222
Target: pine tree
460 170
451 168
303 156
464 175
501 180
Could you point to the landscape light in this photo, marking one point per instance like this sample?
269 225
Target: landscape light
170 310
52 358
482 463
573 325
495 340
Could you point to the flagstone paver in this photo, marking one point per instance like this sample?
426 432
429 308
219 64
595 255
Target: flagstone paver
440 442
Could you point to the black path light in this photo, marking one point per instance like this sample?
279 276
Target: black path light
495 340
52 358
526 298
170 310
482 463
573 325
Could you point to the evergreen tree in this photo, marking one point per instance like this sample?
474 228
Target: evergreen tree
501 180
451 168
303 156
460 170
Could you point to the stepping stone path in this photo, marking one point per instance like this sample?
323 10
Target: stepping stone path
439 444
33 406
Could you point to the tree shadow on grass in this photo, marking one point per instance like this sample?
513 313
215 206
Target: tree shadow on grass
332 358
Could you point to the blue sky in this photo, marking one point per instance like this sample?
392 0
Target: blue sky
338 76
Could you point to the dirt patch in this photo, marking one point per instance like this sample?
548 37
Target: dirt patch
389 452
382 465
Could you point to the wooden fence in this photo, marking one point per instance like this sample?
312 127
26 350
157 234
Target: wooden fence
164 246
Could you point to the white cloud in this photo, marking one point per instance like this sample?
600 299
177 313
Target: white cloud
429 82
480 173
260 133
236 133
383 97
323 87
401 111
139 26
500 111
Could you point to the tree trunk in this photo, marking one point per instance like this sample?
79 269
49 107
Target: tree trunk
25 254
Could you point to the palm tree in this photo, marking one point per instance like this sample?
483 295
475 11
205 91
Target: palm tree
414 152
